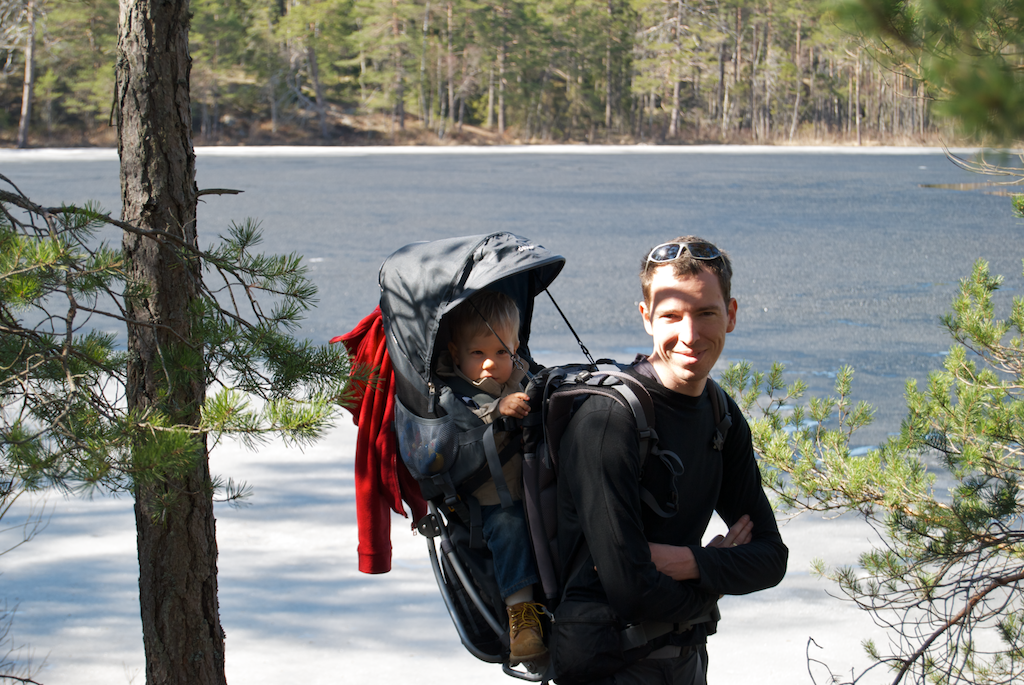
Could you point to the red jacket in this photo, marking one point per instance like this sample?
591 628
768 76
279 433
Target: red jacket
382 480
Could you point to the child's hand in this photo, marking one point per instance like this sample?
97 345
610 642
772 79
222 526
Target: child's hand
517 405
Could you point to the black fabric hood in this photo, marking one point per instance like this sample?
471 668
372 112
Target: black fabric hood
422 282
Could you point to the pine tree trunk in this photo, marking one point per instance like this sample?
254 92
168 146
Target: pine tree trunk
724 103
799 81
608 72
849 103
857 101
490 98
273 103
318 91
451 68
754 57
424 104
673 127
441 101
737 62
501 82
177 547
574 84
398 114
720 90
816 101
29 83
767 105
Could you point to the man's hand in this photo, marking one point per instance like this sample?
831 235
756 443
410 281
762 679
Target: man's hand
740 534
675 562
516 404
678 563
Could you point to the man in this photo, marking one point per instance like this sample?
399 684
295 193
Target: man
622 559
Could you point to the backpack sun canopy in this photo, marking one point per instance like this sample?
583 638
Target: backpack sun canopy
422 282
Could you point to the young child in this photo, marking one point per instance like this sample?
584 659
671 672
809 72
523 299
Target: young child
481 368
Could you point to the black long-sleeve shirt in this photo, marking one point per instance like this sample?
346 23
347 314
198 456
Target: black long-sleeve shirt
599 502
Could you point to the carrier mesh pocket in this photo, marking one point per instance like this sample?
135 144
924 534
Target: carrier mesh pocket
427 446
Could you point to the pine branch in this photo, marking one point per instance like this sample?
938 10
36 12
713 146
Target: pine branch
956 619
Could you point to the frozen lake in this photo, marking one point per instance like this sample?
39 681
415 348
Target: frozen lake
841 257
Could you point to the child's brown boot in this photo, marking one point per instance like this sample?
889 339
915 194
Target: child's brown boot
524 633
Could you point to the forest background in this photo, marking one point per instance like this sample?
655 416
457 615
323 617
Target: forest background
476 71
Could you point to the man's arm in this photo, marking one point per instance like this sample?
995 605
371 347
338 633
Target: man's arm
761 563
678 563
600 465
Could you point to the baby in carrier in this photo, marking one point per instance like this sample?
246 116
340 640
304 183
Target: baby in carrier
481 369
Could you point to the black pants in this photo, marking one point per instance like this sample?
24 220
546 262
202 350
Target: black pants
685 670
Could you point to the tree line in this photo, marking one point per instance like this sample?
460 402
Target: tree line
562 70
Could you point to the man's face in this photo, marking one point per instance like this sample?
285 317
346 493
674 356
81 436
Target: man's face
483 356
688 319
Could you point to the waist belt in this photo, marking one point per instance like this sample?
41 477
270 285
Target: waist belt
671 652
639 634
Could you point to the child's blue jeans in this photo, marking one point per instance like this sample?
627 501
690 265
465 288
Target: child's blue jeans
509 541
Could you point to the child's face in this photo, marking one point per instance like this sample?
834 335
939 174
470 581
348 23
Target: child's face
483 356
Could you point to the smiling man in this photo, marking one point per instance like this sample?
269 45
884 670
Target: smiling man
641 591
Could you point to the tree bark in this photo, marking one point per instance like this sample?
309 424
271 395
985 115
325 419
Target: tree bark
799 81
737 62
857 102
272 84
676 66
30 63
398 114
673 127
501 75
424 92
767 81
723 90
490 98
442 102
451 68
177 547
318 91
755 56
608 71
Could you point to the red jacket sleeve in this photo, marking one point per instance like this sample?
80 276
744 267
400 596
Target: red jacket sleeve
381 478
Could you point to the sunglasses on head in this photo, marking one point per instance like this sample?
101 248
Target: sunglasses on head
666 252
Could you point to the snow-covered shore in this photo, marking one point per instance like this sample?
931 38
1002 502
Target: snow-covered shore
296 610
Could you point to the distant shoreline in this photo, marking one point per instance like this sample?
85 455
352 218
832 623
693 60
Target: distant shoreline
103 153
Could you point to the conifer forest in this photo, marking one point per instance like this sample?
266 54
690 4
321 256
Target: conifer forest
757 71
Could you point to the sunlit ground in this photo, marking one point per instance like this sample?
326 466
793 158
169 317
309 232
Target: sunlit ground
295 608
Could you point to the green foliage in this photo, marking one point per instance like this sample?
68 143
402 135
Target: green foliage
967 53
76 47
63 380
387 41
564 68
948 577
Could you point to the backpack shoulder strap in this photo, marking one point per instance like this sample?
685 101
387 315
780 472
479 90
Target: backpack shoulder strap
639 400
723 420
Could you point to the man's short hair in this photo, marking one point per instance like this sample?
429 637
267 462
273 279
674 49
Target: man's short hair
685 265
485 307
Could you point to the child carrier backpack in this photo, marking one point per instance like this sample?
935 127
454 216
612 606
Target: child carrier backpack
450 451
